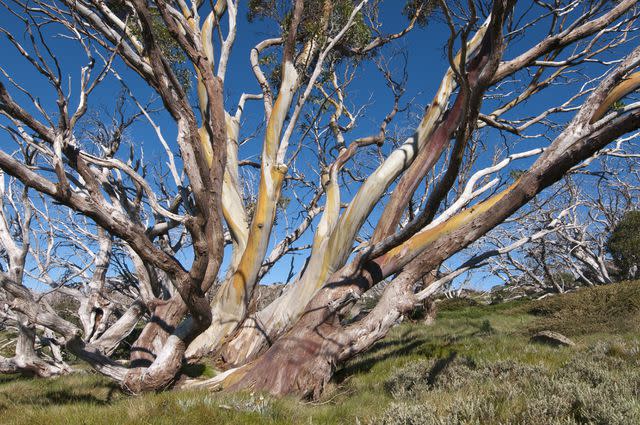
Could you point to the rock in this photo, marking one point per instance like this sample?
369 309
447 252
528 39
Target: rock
552 338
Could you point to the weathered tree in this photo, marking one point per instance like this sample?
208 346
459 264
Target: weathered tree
583 210
428 196
16 214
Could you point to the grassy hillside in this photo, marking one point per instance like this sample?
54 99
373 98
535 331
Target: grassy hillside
476 365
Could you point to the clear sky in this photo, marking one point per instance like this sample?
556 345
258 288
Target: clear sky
425 65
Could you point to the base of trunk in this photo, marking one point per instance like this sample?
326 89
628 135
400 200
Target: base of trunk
300 363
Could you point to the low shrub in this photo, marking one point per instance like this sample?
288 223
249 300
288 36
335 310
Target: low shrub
596 386
449 304
411 379
409 414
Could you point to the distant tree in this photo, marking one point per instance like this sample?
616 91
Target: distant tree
624 245
567 233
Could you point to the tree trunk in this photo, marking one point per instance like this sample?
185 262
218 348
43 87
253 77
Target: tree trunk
303 361
27 361
155 339
431 311
113 336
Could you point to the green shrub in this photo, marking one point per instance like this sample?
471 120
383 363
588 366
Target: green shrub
486 328
624 245
450 304
451 375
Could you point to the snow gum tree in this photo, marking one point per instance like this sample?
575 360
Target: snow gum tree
300 164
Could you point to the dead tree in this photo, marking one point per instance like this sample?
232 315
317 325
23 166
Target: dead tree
590 201
16 214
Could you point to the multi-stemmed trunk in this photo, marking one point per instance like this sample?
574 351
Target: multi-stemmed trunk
295 344
303 359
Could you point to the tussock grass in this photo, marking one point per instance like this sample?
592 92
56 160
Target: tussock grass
610 308
474 366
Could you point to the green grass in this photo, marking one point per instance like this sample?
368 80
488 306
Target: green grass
7 350
605 309
474 366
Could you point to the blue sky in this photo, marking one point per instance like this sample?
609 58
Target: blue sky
426 63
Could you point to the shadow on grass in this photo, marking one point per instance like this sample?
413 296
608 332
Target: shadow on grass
441 347
402 345
97 394
6 379
378 353
439 366
64 397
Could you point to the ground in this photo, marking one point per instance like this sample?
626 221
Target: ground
475 365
